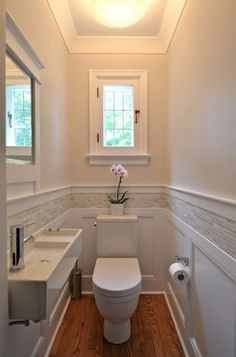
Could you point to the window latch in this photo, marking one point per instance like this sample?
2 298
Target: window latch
137 112
97 137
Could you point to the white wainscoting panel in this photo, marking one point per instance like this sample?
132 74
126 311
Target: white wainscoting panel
213 307
177 243
151 247
150 243
205 310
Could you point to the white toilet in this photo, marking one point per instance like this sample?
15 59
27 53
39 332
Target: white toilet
116 277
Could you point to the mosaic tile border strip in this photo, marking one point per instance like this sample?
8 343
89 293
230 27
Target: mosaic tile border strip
35 218
217 229
137 200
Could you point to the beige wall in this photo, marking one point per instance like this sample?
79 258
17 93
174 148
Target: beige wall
200 92
37 23
202 105
154 172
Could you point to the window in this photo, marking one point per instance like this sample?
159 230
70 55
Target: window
118 117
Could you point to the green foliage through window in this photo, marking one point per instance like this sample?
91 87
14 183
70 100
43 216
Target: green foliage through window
118 116
19 124
22 118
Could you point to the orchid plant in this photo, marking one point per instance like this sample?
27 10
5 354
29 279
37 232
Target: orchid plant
121 172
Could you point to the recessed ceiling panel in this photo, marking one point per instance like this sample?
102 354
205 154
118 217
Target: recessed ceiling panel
86 25
151 34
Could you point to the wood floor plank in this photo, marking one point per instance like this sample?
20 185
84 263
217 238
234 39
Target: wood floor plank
153 331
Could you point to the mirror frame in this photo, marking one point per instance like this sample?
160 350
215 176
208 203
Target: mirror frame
25 179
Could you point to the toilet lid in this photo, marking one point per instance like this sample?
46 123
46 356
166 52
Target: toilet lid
116 276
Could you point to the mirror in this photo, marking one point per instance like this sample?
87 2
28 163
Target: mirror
19 113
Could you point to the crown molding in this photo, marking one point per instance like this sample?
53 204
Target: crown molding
171 18
114 44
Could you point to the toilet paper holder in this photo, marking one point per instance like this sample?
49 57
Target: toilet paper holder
184 260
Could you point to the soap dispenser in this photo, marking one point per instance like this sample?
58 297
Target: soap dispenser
16 248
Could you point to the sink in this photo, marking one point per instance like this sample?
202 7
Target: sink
48 263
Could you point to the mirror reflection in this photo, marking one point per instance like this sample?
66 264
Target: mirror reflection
19 114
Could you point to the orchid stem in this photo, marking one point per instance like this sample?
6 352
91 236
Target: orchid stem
118 188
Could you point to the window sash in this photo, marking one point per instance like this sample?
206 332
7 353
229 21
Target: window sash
117 149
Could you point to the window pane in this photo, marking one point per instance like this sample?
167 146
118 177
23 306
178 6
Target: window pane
109 101
128 119
118 124
118 116
118 137
128 101
118 100
109 137
109 124
128 138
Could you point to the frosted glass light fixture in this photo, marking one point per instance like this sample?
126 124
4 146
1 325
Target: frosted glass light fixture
117 13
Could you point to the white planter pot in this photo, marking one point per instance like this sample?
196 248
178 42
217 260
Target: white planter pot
117 209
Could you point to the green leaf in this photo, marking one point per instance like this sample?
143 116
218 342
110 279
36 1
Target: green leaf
123 200
110 199
120 200
123 196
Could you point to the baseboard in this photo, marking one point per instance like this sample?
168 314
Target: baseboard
195 347
37 347
57 327
153 292
176 326
177 306
150 284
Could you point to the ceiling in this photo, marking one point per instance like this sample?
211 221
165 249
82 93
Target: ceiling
82 34
85 25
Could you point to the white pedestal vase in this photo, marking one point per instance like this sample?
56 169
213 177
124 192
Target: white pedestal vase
117 209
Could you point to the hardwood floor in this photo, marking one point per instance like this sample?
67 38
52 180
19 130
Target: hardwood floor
153 331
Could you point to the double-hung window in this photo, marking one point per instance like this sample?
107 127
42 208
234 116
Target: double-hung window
118 117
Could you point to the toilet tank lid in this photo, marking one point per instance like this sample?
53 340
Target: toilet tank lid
109 218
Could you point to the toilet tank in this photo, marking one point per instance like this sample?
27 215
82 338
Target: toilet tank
117 236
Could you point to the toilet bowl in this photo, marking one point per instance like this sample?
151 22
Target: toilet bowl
116 276
116 286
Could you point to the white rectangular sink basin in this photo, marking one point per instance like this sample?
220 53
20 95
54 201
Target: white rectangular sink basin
48 263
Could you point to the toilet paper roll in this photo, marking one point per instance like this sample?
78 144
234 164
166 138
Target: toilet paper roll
179 274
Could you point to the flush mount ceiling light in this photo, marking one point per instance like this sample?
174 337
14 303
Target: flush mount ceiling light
117 13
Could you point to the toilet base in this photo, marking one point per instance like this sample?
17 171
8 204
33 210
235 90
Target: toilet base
117 332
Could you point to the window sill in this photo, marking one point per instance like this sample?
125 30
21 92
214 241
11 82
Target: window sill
109 159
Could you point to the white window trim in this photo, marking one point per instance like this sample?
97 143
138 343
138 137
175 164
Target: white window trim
140 157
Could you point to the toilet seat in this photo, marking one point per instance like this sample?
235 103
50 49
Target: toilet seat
116 277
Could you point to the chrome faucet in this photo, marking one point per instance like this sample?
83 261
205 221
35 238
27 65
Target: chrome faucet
17 240
17 248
